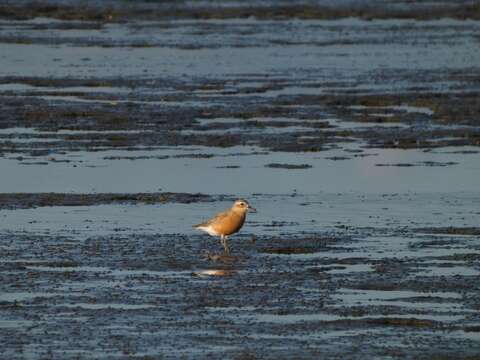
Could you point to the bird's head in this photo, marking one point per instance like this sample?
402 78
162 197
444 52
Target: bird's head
242 205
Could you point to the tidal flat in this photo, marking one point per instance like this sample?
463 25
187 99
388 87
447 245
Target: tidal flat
352 129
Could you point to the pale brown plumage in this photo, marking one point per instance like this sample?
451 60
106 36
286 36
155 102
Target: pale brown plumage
227 222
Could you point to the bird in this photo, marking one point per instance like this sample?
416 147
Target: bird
227 222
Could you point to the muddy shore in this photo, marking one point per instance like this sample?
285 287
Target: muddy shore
352 128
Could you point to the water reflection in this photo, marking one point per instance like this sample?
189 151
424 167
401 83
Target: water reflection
216 272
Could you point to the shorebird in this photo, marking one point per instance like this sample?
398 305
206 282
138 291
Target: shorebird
227 222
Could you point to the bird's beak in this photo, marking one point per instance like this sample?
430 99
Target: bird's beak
251 209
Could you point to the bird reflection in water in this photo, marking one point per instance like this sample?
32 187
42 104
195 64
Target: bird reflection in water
216 272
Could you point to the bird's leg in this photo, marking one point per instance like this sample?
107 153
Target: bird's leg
225 245
222 241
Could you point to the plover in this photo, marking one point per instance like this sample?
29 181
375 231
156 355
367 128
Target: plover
227 222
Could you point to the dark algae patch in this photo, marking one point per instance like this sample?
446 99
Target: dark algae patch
450 230
404 322
422 163
23 201
113 12
288 250
141 125
288 166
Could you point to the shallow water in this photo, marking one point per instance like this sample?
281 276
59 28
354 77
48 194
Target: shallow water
89 172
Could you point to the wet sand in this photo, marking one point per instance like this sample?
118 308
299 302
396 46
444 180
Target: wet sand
353 131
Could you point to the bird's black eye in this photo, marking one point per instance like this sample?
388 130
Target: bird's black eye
242 204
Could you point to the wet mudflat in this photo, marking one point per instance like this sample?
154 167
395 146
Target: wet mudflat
353 130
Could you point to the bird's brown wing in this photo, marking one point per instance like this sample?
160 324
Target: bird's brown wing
216 218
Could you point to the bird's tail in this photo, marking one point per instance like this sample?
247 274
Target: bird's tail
200 225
